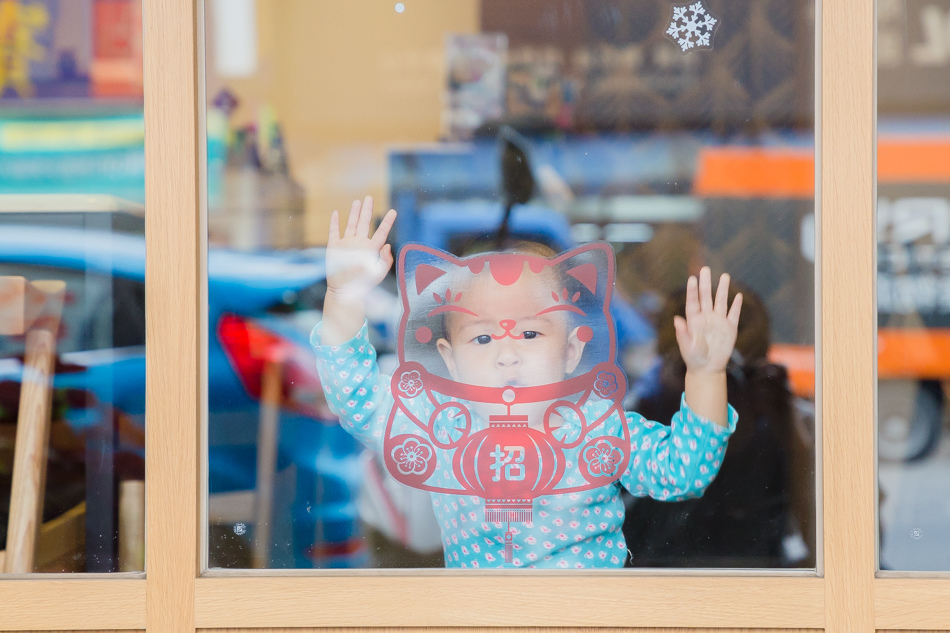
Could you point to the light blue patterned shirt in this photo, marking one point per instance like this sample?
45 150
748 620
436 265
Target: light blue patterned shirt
573 530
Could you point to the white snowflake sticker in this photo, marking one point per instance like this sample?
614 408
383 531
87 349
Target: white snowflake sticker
692 26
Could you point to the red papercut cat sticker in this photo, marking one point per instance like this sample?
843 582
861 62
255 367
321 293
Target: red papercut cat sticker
507 386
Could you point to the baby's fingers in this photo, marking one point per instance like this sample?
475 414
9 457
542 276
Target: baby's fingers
366 216
692 297
386 256
383 264
682 333
334 234
722 295
705 289
350 229
385 226
734 310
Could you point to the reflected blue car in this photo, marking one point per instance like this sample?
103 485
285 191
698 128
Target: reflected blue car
260 308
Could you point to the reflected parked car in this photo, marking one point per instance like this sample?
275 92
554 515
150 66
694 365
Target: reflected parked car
260 306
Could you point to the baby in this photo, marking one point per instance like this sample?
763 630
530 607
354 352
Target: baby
505 335
499 335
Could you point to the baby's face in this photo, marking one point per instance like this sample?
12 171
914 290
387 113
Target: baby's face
510 335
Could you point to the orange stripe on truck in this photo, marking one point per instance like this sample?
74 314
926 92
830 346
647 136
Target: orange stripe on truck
922 354
754 172
789 172
913 160
913 353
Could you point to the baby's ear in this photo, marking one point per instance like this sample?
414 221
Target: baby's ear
445 351
575 351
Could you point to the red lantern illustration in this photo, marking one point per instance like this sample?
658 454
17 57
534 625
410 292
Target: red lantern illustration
509 464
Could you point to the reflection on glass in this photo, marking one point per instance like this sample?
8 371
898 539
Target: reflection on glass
72 287
680 135
913 287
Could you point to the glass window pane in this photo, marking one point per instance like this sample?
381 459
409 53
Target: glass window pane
72 286
641 141
913 294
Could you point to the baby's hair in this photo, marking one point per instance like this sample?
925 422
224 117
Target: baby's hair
533 249
538 249
514 247
517 247
525 247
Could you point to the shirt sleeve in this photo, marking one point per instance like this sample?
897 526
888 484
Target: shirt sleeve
678 461
353 387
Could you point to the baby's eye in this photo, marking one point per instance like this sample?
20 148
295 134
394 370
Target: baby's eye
529 334
483 339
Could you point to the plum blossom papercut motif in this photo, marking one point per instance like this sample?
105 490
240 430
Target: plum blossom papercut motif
410 384
605 384
692 26
412 456
603 459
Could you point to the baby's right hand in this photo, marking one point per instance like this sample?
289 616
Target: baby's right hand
356 262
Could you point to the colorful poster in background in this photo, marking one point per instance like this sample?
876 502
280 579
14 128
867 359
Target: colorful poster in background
117 48
70 49
70 97
475 84
39 56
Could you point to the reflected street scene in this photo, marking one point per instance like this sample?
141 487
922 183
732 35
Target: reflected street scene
676 139
72 287
913 287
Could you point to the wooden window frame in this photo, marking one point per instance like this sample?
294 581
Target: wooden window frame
174 596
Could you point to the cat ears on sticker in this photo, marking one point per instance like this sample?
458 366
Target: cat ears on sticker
421 268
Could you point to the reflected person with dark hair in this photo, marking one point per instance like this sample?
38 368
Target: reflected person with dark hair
743 517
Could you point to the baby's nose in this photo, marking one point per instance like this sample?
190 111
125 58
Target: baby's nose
508 360
508 355
507 324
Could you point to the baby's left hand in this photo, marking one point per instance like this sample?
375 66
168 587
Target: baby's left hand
707 335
